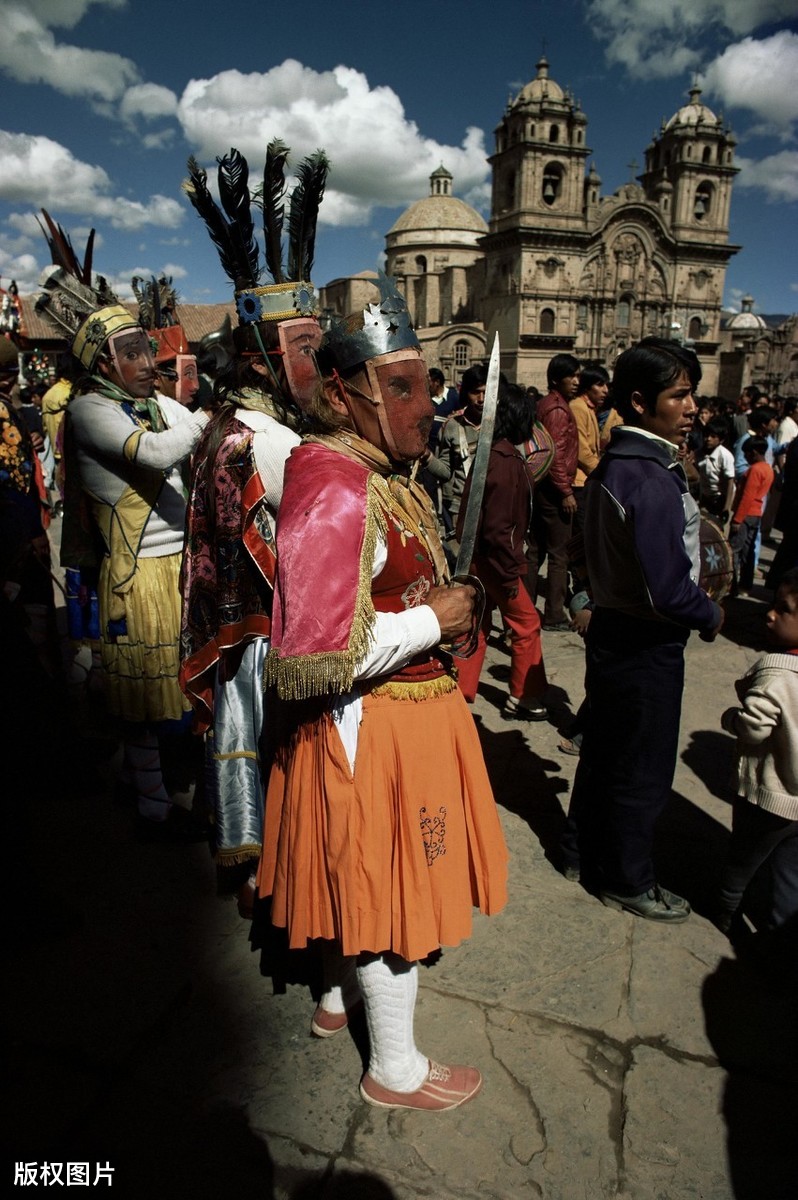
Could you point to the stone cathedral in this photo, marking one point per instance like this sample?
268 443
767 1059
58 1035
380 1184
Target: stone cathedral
561 267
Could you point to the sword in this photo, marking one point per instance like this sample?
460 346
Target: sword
466 645
479 471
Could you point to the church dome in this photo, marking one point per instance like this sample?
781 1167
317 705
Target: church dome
541 87
440 210
746 321
695 113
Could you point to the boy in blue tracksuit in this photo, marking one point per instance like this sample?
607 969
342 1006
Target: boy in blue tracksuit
642 550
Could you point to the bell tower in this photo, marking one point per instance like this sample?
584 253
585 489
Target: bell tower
539 163
538 220
689 172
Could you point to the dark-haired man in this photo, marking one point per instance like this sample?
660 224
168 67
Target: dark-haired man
555 503
591 395
641 544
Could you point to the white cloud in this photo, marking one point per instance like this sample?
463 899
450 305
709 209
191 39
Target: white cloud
794 287
30 54
173 270
160 140
42 173
378 156
148 100
759 76
776 175
22 268
655 39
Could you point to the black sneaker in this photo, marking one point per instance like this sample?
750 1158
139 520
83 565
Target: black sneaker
514 711
657 904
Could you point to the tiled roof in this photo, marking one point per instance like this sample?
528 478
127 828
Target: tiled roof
196 319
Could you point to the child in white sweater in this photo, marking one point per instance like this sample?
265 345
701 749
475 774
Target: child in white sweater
765 818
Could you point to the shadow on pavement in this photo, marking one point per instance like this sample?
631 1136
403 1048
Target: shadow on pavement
751 1014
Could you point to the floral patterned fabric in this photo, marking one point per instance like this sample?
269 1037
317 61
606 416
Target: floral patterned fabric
228 566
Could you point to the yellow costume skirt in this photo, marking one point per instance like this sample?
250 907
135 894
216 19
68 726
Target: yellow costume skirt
141 666
396 856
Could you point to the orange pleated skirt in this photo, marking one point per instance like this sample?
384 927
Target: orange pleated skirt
396 856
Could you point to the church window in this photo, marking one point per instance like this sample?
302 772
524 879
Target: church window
531 132
461 355
547 320
703 201
689 151
581 313
707 155
421 263
623 312
508 197
552 183
579 136
695 329
554 133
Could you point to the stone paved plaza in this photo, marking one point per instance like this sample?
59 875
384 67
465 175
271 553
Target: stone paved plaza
620 1059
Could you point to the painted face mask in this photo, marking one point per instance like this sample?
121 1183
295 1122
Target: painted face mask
131 357
299 340
390 405
187 384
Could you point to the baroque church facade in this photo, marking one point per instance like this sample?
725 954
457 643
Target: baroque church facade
560 267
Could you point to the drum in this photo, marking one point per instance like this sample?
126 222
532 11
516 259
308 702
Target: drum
538 453
717 569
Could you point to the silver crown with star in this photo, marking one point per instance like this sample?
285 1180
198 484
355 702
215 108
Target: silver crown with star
386 327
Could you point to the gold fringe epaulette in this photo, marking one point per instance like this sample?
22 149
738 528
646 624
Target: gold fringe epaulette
308 675
302 676
424 689
234 858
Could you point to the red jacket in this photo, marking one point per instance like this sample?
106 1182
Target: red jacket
555 413
506 509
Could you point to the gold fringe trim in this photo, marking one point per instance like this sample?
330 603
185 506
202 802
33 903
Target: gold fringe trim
234 858
424 689
307 675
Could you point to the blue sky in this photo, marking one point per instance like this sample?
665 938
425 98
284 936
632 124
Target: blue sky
103 101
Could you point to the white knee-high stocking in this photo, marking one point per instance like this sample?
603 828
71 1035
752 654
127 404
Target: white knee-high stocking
341 991
389 985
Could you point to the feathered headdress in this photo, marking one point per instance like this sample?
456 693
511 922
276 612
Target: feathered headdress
88 312
157 301
232 230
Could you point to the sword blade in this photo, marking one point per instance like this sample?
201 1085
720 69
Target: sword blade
479 471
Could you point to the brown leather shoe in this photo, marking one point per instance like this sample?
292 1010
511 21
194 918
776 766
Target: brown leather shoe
444 1088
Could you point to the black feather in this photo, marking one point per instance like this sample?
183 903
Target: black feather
196 188
305 200
155 294
62 252
273 200
87 258
234 194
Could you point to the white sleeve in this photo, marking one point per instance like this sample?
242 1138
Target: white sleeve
271 449
101 424
165 450
398 637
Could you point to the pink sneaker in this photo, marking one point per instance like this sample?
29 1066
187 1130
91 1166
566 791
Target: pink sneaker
444 1088
325 1024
